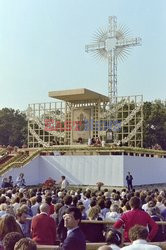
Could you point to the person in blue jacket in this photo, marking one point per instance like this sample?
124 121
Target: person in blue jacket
75 238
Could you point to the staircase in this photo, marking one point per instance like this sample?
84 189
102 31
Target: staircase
18 160
5 159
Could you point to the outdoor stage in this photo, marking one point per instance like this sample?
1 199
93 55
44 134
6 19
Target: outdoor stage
111 169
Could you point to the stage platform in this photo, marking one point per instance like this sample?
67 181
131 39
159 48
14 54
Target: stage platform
92 166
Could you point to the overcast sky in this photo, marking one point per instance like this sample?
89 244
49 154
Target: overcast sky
42 48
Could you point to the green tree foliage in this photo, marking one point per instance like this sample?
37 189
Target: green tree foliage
13 127
155 124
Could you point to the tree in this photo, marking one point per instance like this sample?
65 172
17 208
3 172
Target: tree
13 127
155 124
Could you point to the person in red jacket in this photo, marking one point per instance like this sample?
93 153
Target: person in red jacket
136 216
43 227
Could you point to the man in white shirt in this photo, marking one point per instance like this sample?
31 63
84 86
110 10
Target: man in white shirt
64 183
138 236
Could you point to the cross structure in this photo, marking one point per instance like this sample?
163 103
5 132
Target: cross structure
110 45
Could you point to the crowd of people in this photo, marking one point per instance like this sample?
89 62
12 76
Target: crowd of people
49 216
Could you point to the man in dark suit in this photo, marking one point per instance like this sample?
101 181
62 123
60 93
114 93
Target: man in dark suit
43 227
75 238
129 179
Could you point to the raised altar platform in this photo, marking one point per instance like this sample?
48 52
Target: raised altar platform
84 165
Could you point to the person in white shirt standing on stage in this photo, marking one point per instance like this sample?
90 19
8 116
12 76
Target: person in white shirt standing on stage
64 183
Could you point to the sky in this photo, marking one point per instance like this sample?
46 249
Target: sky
42 48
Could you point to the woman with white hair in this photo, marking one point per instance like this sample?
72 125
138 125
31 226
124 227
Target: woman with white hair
114 213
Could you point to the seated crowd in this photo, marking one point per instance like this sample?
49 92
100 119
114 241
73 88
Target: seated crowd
48 216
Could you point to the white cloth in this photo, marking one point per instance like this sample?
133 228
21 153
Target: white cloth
141 245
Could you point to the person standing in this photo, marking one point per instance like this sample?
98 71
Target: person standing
43 227
136 216
64 183
75 238
129 179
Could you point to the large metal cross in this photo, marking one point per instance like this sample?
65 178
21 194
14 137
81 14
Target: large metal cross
110 45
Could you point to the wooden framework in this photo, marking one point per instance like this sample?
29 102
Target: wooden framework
41 122
82 113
